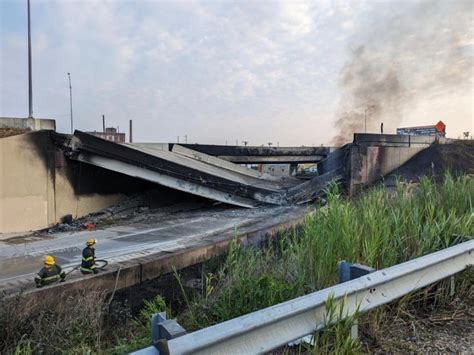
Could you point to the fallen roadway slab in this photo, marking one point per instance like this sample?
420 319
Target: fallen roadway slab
141 251
263 155
209 159
178 171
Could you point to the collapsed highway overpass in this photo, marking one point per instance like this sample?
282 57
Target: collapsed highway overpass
80 174
74 169
49 176
188 170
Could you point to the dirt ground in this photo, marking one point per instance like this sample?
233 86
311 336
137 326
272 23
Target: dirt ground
448 329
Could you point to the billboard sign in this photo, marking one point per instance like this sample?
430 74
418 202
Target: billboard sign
438 130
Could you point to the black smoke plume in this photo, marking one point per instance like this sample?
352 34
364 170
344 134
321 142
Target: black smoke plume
420 52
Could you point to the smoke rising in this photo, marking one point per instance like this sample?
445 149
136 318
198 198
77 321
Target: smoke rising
416 55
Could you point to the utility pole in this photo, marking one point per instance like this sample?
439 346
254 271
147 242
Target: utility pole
70 101
30 84
130 133
103 123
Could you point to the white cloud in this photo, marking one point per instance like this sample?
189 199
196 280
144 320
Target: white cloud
206 69
296 17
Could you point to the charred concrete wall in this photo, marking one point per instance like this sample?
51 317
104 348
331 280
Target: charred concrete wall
371 163
38 185
372 156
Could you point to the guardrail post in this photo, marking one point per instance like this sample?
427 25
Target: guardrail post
355 330
162 330
156 320
348 272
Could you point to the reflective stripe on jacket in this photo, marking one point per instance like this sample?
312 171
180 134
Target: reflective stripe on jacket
49 275
88 259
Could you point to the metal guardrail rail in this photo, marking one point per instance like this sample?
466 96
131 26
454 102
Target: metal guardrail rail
275 326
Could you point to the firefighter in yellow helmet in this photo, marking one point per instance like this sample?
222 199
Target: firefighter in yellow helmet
88 258
50 273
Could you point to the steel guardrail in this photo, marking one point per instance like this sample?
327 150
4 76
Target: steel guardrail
275 326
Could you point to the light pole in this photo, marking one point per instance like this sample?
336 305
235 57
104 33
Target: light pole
365 117
70 101
30 84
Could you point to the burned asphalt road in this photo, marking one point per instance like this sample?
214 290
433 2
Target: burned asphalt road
170 233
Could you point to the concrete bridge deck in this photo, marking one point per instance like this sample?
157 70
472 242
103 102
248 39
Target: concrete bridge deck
141 250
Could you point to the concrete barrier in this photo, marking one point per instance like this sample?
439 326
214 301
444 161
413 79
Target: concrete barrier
32 124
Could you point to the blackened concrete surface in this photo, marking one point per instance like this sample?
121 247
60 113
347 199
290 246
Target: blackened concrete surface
141 251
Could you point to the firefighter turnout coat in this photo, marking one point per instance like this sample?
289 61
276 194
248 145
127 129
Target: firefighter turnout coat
88 261
49 274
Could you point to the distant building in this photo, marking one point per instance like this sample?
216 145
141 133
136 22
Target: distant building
438 130
110 134
275 169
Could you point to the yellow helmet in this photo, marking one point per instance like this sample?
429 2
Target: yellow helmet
49 260
91 242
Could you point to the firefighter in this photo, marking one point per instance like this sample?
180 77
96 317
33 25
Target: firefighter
50 273
88 258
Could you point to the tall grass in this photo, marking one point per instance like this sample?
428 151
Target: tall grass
379 228
73 324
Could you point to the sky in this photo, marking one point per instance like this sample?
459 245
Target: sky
289 73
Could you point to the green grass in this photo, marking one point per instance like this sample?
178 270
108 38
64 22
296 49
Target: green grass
379 229
140 328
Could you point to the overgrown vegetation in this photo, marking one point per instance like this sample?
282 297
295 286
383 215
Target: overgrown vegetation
336 337
83 324
73 324
379 228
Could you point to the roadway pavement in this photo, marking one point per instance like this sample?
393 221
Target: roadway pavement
21 256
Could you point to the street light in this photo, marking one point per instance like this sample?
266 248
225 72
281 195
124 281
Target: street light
30 84
70 101
365 117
